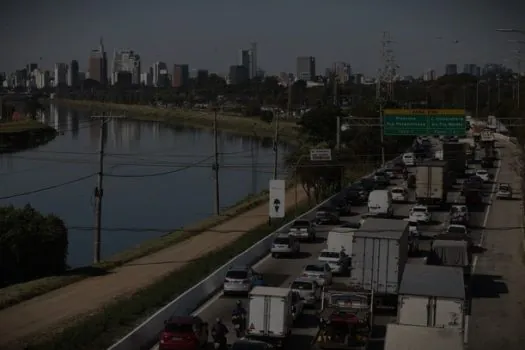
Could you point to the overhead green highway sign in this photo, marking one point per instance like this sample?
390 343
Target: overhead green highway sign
424 122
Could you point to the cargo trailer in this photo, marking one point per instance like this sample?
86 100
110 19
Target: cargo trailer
402 337
379 255
431 182
432 296
455 154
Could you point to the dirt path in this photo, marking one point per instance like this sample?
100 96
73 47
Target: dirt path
52 309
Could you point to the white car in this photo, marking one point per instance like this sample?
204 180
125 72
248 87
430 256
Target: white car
285 244
483 174
458 229
420 213
320 273
308 290
399 194
338 261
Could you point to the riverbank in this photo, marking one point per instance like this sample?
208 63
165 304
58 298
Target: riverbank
228 122
24 134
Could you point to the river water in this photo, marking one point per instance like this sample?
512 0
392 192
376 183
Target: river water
159 178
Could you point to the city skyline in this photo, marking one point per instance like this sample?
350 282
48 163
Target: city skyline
466 37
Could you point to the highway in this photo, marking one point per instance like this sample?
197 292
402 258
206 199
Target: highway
281 272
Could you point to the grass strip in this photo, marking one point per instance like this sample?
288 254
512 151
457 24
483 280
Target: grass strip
22 125
100 330
18 293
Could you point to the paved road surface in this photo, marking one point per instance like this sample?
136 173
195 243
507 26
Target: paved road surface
281 272
51 311
498 305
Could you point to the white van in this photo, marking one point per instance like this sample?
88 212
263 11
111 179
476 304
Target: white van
409 159
380 203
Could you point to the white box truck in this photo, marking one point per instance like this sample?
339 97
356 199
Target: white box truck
341 238
432 296
379 255
270 315
431 182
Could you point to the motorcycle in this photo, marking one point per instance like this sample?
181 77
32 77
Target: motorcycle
238 324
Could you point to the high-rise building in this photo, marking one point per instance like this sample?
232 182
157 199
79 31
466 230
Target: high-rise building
244 58
470 68
41 78
429 75
98 64
239 75
253 60
451 69
61 71
343 72
306 68
146 78
72 75
158 67
126 61
181 75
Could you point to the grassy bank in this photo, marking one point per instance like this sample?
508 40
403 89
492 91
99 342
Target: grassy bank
24 134
229 122
24 291
99 330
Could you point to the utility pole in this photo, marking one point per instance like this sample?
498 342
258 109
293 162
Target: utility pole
276 146
215 166
336 103
99 191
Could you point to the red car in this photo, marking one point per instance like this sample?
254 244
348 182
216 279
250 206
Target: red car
184 333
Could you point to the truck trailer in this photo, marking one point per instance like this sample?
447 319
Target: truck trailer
431 182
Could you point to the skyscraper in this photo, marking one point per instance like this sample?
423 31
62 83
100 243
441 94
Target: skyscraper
98 64
253 60
126 61
306 68
451 69
158 68
61 71
72 74
181 75
244 58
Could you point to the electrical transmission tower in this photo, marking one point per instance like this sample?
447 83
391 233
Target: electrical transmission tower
387 74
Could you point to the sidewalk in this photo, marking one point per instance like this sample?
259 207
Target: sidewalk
55 308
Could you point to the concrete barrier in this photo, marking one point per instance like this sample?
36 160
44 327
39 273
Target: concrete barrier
146 334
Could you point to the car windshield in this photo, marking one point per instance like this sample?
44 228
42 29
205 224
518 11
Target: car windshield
301 223
331 255
456 229
314 268
282 240
503 187
419 210
481 172
237 274
178 327
302 285
458 209
398 190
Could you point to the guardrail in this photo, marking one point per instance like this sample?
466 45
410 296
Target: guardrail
146 334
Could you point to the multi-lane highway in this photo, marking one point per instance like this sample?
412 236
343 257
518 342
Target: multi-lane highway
281 272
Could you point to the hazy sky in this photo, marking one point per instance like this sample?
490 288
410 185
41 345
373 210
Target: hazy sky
208 33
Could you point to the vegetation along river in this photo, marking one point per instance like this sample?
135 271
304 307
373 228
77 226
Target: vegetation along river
159 178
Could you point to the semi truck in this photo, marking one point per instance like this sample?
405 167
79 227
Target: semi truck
455 154
431 182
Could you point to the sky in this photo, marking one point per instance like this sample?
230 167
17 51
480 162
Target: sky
207 34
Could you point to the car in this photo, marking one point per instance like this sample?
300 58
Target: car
456 233
337 261
297 305
308 289
460 209
321 273
303 230
459 229
483 175
356 195
327 215
391 173
240 280
474 182
399 194
504 191
381 179
342 206
470 171
251 344
284 244
184 332
367 184
420 213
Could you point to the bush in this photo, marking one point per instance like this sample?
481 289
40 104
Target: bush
31 245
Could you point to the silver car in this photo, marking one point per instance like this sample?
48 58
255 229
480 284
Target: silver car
285 244
321 273
504 191
240 279
303 229
308 290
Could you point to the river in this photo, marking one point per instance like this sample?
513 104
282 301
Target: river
159 178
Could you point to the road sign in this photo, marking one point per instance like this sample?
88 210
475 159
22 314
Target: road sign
277 204
424 122
321 154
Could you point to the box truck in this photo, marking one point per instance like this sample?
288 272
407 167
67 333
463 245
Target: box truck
431 182
270 316
379 255
455 154
432 296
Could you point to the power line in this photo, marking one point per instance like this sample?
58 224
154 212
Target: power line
49 187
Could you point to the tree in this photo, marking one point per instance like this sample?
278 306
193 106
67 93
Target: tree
32 245
320 124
